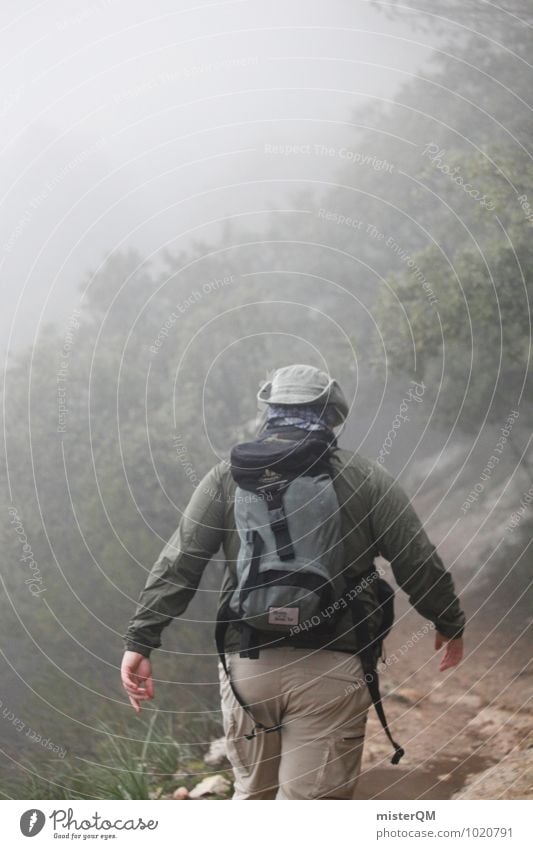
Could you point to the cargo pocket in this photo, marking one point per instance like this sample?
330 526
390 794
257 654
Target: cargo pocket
238 749
337 775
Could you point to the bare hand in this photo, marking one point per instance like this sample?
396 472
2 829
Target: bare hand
136 674
453 653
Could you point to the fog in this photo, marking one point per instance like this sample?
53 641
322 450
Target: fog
128 125
193 195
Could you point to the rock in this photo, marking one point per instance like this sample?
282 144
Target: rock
502 727
181 793
407 696
214 785
217 754
459 700
511 778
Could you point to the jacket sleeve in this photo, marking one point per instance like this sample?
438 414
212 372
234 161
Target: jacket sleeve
416 565
177 572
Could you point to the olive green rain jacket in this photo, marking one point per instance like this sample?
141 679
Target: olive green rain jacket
377 518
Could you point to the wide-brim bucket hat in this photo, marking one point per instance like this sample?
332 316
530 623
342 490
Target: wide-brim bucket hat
302 384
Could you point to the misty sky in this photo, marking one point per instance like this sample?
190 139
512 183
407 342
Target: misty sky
128 123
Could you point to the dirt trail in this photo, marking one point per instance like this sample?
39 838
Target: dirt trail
454 724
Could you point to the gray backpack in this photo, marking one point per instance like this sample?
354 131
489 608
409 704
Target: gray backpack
289 567
290 563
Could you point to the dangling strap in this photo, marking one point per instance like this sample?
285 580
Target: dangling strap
372 681
368 661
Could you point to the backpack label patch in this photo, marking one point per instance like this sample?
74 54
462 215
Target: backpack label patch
283 615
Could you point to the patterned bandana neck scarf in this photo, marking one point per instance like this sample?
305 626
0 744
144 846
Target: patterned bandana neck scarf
306 416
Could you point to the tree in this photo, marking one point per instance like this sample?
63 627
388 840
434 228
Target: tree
478 334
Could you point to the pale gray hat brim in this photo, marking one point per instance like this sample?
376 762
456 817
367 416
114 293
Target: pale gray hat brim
294 392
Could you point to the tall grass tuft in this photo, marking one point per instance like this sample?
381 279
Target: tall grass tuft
124 768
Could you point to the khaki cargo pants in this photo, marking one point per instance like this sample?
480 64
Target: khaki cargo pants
322 701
